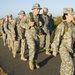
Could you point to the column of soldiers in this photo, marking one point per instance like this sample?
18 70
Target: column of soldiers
33 32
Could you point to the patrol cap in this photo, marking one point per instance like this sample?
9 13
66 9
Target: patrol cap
36 6
45 9
21 12
68 10
7 16
49 14
10 15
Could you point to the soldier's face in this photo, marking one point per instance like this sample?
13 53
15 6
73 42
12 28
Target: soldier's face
70 17
45 13
10 18
36 10
6 18
20 16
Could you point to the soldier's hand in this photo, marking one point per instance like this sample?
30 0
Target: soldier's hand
9 32
13 38
13 21
40 23
54 54
31 24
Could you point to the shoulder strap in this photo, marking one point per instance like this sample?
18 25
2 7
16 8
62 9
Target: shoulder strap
31 16
65 30
65 27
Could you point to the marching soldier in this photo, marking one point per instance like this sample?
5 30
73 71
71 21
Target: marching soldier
32 25
63 41
4 35
45 38
19 36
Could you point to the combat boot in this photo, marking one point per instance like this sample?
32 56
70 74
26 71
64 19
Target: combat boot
4 44
9 47
37 66
48 53
23 58
14 54
74 54
62 73
31 65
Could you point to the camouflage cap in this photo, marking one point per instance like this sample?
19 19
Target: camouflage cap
49 14
45 9
7 16
36 6
10 15
68 10
21 12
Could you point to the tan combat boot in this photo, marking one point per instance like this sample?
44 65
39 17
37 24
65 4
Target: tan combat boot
23 58
61 74
31 65
74 54
14 54
4 44
48 53
9 47
37 66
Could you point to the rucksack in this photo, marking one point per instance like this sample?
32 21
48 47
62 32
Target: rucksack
65 30
40 30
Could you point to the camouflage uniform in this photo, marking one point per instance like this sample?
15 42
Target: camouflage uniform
19 43
45 39
32 36
8 26
16 42
51 26
64 41
73 28
11 34
4 35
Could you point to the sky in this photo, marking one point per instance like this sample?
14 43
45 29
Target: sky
14 6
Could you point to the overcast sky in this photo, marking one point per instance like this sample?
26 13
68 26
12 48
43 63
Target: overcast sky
14 6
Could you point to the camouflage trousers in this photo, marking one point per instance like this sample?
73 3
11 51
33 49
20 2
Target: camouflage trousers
67 67
4 36
42 37
10 41
19 44
33 45
45 41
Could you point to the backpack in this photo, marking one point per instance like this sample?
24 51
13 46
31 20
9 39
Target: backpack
40 30
65 30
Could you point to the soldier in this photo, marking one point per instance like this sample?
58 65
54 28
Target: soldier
5 26
32 25
11 35
45 39
51 25
8 26
4 36
64 38
20 38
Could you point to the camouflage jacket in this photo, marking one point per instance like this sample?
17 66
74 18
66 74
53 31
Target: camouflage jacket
45 20
8 26
66 41
32 32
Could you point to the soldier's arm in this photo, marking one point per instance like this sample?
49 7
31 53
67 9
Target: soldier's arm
57 39
24 23
13 28
6 27
2 29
